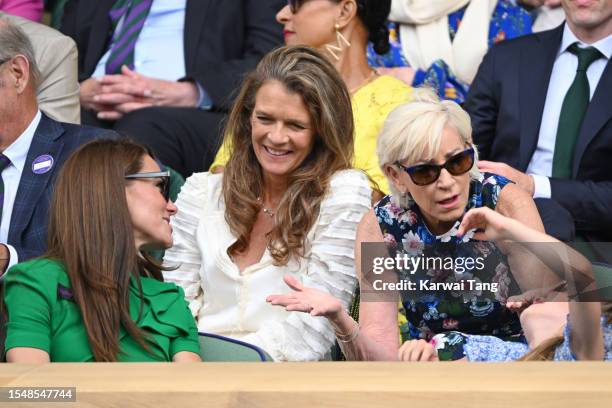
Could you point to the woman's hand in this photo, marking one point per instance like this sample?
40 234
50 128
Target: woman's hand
490 225
186 357
417 350
307 300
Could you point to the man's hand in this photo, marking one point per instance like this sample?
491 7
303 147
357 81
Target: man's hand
130 91
112 96
89 90
109 106
521 179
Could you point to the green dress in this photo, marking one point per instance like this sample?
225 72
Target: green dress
42 315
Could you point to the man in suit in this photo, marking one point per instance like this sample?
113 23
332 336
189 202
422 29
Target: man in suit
56 57
32 149
541 116
164 71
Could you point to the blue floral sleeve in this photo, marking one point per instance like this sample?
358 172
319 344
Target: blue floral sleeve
508 21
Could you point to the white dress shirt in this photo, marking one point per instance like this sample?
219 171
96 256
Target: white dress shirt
159 51
230 302
17 153
563 74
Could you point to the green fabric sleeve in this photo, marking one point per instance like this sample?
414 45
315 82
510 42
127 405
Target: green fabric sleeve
29 297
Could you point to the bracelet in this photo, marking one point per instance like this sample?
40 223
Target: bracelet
347 338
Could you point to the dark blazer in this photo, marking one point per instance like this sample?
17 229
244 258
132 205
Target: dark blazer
506 102
28 228
223 39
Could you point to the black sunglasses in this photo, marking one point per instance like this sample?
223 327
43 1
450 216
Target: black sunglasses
163 175
424 174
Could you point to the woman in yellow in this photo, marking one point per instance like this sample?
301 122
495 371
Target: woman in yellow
342 29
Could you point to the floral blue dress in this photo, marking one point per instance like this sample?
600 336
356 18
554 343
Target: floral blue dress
435 313
508 21
455 346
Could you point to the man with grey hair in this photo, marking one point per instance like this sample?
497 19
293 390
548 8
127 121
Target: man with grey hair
56 57
32 149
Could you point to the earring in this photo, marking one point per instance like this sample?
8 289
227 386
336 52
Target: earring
341 40
406 200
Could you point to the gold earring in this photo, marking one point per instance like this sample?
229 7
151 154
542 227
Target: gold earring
335 49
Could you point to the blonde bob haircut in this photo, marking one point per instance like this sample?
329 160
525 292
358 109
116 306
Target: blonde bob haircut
414 130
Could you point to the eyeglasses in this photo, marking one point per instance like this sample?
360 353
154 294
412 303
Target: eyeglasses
424 174
164 187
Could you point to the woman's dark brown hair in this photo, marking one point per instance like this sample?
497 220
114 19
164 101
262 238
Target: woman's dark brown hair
90 233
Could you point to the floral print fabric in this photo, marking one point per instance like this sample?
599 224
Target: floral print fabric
464 311
508 21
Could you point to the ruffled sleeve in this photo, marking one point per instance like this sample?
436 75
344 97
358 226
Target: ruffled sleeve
330 267
165 316
185 253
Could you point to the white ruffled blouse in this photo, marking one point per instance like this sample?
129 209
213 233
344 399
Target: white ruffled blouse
228 302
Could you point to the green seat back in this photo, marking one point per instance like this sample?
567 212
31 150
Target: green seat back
176 182
215 348
603 277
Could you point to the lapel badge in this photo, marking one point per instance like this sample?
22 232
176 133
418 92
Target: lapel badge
42 164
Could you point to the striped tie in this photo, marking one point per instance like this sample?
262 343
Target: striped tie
4 163
134 14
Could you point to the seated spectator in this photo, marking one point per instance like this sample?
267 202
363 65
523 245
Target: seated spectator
33 148
95 295
287 202
441 44
341 30
56 58
427 154
580 335
550 130
29 9
164 71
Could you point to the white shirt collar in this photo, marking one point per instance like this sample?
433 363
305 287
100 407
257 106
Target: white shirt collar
17 152
604 45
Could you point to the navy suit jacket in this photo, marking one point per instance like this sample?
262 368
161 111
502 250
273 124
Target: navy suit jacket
506 102
28 227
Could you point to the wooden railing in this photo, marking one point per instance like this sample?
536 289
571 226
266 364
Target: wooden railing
323 384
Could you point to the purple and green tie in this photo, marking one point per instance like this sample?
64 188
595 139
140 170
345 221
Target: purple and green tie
4 163
134 14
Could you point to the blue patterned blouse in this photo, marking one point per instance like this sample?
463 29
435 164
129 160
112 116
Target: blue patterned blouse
435 313
508 21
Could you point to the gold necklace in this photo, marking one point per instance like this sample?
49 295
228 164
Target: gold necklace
363 83
266 211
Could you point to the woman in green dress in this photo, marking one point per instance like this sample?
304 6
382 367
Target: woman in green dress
95 295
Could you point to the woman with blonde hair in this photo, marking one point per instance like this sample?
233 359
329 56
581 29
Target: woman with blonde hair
427 154
571 325
288 203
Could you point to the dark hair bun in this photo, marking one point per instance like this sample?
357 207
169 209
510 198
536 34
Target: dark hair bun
374 15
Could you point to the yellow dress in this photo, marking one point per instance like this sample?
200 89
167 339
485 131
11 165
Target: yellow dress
371 105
